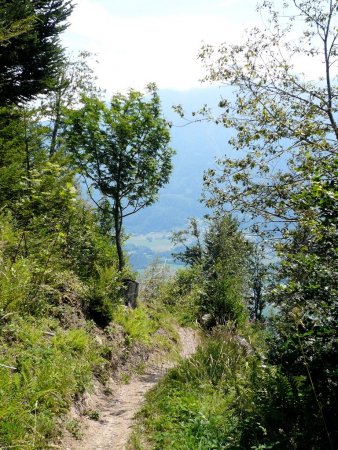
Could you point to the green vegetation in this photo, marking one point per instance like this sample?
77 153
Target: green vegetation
62 314
52 366
282 392
292 122
226 396
48 340
30 51
142 323
123 150
219 277
255 383
200 404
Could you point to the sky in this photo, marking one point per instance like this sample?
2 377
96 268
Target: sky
142 41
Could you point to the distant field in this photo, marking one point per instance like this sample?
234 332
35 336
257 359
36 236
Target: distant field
155 241
144 249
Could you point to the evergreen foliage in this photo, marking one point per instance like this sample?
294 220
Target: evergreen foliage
225 271
30 56
221 254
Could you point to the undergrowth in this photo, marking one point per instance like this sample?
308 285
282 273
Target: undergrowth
60 327
177 294
44 368
219 399
50 367
140 324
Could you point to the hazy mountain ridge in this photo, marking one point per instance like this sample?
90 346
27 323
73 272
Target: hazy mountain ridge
196 145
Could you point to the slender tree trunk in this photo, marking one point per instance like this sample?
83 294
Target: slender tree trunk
27 152
28 163
118 235
56 125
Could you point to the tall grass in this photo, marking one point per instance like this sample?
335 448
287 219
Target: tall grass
50 367
218 399
192 406
177 294
142 324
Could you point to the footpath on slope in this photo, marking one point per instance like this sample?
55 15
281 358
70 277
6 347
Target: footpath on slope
116 412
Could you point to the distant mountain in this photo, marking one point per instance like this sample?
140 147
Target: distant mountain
196 146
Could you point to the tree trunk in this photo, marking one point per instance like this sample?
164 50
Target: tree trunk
118 227
56 125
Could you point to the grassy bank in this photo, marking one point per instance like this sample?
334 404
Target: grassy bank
225 396
46 366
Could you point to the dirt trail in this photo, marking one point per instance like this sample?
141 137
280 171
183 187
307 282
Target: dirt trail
117 411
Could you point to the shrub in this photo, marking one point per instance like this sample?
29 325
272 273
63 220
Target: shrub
105 294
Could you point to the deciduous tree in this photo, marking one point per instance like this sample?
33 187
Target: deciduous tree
280 116
122 148
285 177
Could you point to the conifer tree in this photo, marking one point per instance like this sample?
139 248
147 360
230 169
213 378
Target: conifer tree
30 50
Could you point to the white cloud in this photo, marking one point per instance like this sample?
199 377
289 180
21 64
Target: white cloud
136 50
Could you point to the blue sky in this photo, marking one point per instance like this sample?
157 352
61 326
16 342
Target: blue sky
141 41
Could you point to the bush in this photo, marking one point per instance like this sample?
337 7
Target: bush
181 295
105 294
219 277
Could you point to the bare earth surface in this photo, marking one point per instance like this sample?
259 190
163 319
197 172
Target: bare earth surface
116 412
